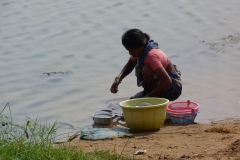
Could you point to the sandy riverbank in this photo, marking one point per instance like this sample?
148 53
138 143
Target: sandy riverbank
215 140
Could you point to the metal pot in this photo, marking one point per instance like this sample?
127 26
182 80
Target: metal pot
104 119
103 112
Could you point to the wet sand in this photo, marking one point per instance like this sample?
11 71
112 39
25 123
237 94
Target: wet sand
211 141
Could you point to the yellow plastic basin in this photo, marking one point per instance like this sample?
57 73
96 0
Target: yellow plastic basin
144 117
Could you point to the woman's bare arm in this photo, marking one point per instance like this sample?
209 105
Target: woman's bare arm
165 82
125 71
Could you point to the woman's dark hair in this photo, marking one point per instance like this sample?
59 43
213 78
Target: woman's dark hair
134 38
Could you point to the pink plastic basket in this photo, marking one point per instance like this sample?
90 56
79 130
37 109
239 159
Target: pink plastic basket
183 107
183 112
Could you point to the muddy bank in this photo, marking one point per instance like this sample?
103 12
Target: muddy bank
215 140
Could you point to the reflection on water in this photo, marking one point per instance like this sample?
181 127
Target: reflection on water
41 40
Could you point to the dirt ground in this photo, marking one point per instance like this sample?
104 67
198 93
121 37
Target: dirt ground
216 140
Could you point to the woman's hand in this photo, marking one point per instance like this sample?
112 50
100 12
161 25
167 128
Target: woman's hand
114 87
125 71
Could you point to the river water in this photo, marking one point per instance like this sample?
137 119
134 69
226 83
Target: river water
58 59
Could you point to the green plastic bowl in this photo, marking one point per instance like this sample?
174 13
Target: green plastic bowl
146 117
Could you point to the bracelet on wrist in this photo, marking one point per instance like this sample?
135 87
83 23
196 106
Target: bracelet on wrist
119 79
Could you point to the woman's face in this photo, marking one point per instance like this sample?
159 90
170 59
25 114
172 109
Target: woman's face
135 52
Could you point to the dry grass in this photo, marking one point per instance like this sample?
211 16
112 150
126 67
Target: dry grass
221 129
235 146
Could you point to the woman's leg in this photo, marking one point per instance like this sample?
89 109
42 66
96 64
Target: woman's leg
148 73
171 93
149 82
138 95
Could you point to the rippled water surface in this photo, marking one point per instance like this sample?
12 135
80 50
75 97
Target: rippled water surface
58 59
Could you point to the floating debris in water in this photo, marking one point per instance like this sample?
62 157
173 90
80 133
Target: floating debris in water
50 73
227 41
232 39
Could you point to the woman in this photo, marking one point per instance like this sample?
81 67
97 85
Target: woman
155 72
